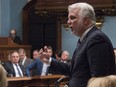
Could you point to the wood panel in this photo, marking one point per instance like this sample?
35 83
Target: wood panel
38 81
7 45
6 49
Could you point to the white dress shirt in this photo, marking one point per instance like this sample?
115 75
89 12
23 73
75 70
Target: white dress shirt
23 60
16 71
44 69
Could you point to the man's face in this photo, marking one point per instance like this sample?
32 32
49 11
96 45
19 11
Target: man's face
35 54
64 56
49 51
75 22
12 33
22 55
15 57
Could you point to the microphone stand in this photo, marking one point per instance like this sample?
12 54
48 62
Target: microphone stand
57 83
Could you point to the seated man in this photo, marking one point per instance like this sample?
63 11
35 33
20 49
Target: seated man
14 37
42 68
65 57
23 60
12 67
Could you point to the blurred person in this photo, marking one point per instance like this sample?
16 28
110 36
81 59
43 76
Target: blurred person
12 67
35 68
65 57
14 37
58 54
93 56
36 53
42 68
3 77
107 81
23 60
35 71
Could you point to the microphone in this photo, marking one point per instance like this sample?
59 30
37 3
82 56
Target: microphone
60 79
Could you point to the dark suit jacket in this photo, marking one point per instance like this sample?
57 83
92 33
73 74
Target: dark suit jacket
35 64
17 40
93 58
9 68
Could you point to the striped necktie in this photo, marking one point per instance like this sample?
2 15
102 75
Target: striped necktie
18 70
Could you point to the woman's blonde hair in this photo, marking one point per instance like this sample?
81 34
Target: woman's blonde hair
3 77
107 81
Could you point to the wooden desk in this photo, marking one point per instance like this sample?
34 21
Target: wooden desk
18 81
38 81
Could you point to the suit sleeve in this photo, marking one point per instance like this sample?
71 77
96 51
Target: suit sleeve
9 69
99 56
30 66
59 68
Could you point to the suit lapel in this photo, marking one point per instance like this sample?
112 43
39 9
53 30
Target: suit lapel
41 67
78 49
12 68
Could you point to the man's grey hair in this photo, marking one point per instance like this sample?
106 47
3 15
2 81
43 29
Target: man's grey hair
86 10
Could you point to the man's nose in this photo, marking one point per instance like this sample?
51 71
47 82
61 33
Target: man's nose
68 22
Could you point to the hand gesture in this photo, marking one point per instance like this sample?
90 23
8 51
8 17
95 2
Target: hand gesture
44 56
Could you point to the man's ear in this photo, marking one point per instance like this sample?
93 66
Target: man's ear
85 21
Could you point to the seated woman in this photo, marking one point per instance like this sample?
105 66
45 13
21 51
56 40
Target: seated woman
3 78
107 81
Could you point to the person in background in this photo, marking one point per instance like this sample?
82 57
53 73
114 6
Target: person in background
36 54
93 56
34 71
65 57
115 54
3 77
42 68
13 35
58 54
24 61
12 67
107 81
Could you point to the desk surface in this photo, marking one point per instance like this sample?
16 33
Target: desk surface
37 81
18 78
36 77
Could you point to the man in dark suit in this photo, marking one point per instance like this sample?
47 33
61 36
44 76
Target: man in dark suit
12 67
93 56
24 61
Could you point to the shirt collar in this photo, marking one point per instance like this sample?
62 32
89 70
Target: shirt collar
23 60
84 34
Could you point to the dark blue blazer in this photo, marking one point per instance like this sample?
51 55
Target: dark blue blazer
93 58
36 64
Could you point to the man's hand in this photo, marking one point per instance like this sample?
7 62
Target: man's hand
44 56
